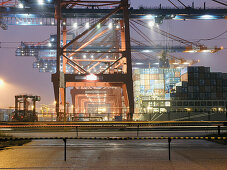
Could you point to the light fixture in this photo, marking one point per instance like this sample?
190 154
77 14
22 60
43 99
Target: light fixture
91 77
151 24
40 2
87 25
75 25
20 5
1 82
207 17
99 25
110 26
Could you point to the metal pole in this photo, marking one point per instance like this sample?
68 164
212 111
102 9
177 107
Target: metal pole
138 130
58 12
219 130
76 131
64 148
169 141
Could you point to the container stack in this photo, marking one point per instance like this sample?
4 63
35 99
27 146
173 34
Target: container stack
198 83
155 82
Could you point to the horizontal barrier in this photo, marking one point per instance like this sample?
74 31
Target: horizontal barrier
109 124
115 138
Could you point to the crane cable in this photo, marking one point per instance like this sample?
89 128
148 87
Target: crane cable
173 4
222 3
182 3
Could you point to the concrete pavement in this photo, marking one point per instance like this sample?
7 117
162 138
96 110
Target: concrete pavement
99 154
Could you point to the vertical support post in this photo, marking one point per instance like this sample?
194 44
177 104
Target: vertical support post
219 130
58 16
64 148
168 115
64 32
138 126
16 105
169 141
77 132
127 54
209 116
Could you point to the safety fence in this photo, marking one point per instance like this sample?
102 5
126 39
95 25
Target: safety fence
169 139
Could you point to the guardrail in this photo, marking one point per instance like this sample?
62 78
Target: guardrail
116 138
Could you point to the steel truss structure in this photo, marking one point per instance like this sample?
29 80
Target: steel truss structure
106 77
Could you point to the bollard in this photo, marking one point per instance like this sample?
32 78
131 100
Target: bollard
64 139
138 130
169 140
76 131
219 130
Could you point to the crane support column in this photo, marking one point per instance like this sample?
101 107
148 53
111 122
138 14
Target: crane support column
128 57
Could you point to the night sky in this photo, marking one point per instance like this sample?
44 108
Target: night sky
21 78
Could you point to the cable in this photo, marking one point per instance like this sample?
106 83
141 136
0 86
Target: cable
182 3
173 3
208 39
219 2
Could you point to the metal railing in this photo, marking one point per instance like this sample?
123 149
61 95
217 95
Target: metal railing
169 139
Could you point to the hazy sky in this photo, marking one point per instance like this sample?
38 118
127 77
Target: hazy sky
20 77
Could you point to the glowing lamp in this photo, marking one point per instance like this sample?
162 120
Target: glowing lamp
91 77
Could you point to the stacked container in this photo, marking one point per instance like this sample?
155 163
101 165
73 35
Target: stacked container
199 84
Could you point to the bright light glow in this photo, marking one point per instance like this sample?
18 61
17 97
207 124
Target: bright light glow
110 26
146 51
52 23
149 16
107 56
52 39
63 23
139 63
87 25
186 63
151 24
206 51
17 22
190 51
149 108
92 56
49 44
41 23
20 5
207 17
99 26
1 82
175 63
84 56
156 63
117 26
75 25
40 2
91 77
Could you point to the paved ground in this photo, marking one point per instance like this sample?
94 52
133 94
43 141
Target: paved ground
99 154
